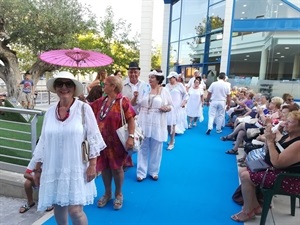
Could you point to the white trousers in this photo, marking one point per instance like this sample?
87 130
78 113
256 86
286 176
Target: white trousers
216 113
149 158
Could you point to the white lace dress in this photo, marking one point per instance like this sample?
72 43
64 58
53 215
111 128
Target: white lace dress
63 179
194 104
177 116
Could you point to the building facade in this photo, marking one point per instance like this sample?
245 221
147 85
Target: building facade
247 39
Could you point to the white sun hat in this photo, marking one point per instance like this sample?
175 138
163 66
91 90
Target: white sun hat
65 75
173 74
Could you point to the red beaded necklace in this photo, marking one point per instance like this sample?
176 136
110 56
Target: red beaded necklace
67 114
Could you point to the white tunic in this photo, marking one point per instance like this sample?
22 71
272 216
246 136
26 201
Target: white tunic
63 179
194 104
177 116
151 119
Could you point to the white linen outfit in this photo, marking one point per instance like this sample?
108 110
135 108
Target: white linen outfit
63 179
194 104
154 124
141 87
177 116
219 91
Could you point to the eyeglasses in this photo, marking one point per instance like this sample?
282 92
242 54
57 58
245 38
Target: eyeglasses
290 99
60 84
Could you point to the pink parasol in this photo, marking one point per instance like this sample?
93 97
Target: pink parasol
76 58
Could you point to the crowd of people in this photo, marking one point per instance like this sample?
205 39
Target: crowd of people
162 112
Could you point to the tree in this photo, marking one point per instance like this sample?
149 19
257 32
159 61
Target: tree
38 26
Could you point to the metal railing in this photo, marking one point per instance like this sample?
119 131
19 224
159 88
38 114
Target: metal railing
32 133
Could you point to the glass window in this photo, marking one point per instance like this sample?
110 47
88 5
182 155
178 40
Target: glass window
190 52
216 16
173 59
272 54
184 53
215 48
175 30
259 9
176 10
193 17
214 1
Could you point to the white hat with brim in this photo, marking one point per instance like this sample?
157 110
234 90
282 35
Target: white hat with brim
173 74
65 75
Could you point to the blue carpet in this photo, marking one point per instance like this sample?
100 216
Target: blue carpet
195 186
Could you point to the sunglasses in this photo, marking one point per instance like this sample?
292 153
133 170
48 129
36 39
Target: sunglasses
290 99
60 84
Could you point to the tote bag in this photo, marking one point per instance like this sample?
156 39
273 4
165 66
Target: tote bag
122 133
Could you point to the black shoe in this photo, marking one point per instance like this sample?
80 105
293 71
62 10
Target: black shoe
208 131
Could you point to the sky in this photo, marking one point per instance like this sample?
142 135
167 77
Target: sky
130 11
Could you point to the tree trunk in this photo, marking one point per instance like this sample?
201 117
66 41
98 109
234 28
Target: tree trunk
9 66
9 70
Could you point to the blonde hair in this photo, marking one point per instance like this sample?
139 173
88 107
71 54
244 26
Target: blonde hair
295 115
117 82
277 101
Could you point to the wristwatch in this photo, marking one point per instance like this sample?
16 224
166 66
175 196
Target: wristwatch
131 135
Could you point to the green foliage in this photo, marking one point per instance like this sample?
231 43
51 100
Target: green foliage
47 24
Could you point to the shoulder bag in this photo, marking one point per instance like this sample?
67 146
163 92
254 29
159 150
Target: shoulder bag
122 133
257 165
85 147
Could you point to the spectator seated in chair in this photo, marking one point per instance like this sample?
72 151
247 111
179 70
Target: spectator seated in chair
282 156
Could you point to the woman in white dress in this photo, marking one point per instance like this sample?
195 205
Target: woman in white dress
67 182
176 118
194 107
153 120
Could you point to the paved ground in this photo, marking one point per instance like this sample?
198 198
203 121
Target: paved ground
9 213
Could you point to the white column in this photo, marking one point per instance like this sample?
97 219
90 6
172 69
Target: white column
226 35
296 67
280 70
165 38
146 38
263 64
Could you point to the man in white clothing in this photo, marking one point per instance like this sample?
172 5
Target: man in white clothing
218 99
133 87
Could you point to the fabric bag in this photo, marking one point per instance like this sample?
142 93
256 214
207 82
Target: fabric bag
122 133
85 147
256 154
257 165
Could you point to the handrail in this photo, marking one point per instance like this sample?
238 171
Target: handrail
33 134
22 111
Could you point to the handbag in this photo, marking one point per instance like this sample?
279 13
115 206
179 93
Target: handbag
257 165
122 133
85 146
255 154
